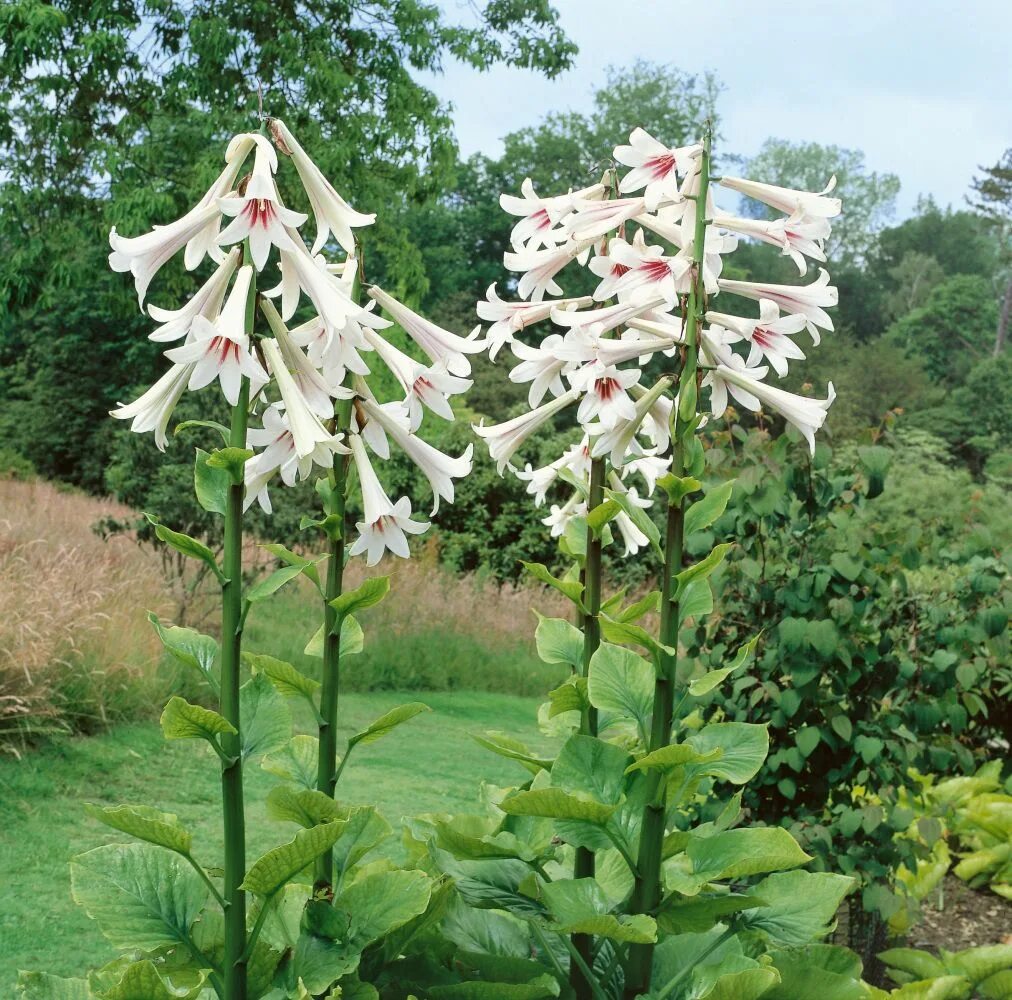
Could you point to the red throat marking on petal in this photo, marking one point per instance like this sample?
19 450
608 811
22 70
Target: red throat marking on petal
606 388
259 212
660 166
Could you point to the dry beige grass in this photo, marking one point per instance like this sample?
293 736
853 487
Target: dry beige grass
74 646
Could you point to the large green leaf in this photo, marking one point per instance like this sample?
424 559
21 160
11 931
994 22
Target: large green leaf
379 903
821 971
702 569
742 984
592 767
144 823
296 761
42 986
145 981
743 748
799 907
387 722
363 831
580 906
492 884
558 641
139 895
370 593
270 872
266 717
306 806
287 681
210 484
272 583
706 683
745 851
621 683
696 914
672 756
290 558
573 589
705 511
557 804
352 639
192 648
187 546
506 746
695 601
182 721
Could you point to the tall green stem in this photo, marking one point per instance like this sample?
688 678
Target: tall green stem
584 863
646 895
326 774
234 965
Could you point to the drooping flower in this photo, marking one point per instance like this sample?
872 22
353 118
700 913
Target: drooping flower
302 273
769 336
651 273
539 268
439 469
508 318
259 215
332 213
591 219
796 236
177 323
152 410
221 350
306 427
604 393
541 366
504 439
654 167
540 216
809 300
385 523
440 345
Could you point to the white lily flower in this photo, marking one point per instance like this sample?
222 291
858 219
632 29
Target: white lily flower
256 479
439 344
319 395
541 366
609 271
716 244
332 213
540 216
152 410
176 323
423 386
808 415
650 467
259 215
575 459
540 267
559 517
329 295
788 200
593 219
633 538
597 322
504 439
605 393
655 167
439 469
808 300
385 522
221 350
768 337
650 415
337 351
508 318
143 255
796 236
307 428
651 273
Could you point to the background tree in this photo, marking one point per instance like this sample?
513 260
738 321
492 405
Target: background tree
992 197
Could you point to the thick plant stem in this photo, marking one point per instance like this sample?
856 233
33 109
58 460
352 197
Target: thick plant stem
646 895
326 774
584 863
234 964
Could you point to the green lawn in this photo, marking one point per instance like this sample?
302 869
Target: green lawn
429 764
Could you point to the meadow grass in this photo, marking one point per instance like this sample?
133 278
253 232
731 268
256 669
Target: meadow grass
430 764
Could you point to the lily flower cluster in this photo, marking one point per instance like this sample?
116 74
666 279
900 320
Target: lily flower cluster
297 375
636 234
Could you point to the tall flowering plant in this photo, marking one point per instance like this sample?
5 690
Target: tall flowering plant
623 891
301 406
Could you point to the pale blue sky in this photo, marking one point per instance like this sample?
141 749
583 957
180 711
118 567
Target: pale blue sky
924 88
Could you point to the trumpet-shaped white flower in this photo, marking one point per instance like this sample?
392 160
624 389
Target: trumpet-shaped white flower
591 219
439 469
259 215
504 439
332 213
575 459
337 351
650 467
651 273
302 273
144 255
769 336
540 216
810 300
796 236
716 244
424 386
540 267
152 410
385 522
307 429
559 517
313 386
808 415
619 441
541 366
177 323
440 345
605 396
654 167
508 318
610 271
221 350
787 200
597 322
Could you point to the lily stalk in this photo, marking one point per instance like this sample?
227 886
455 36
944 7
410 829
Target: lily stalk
334 503
646 895
233 810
